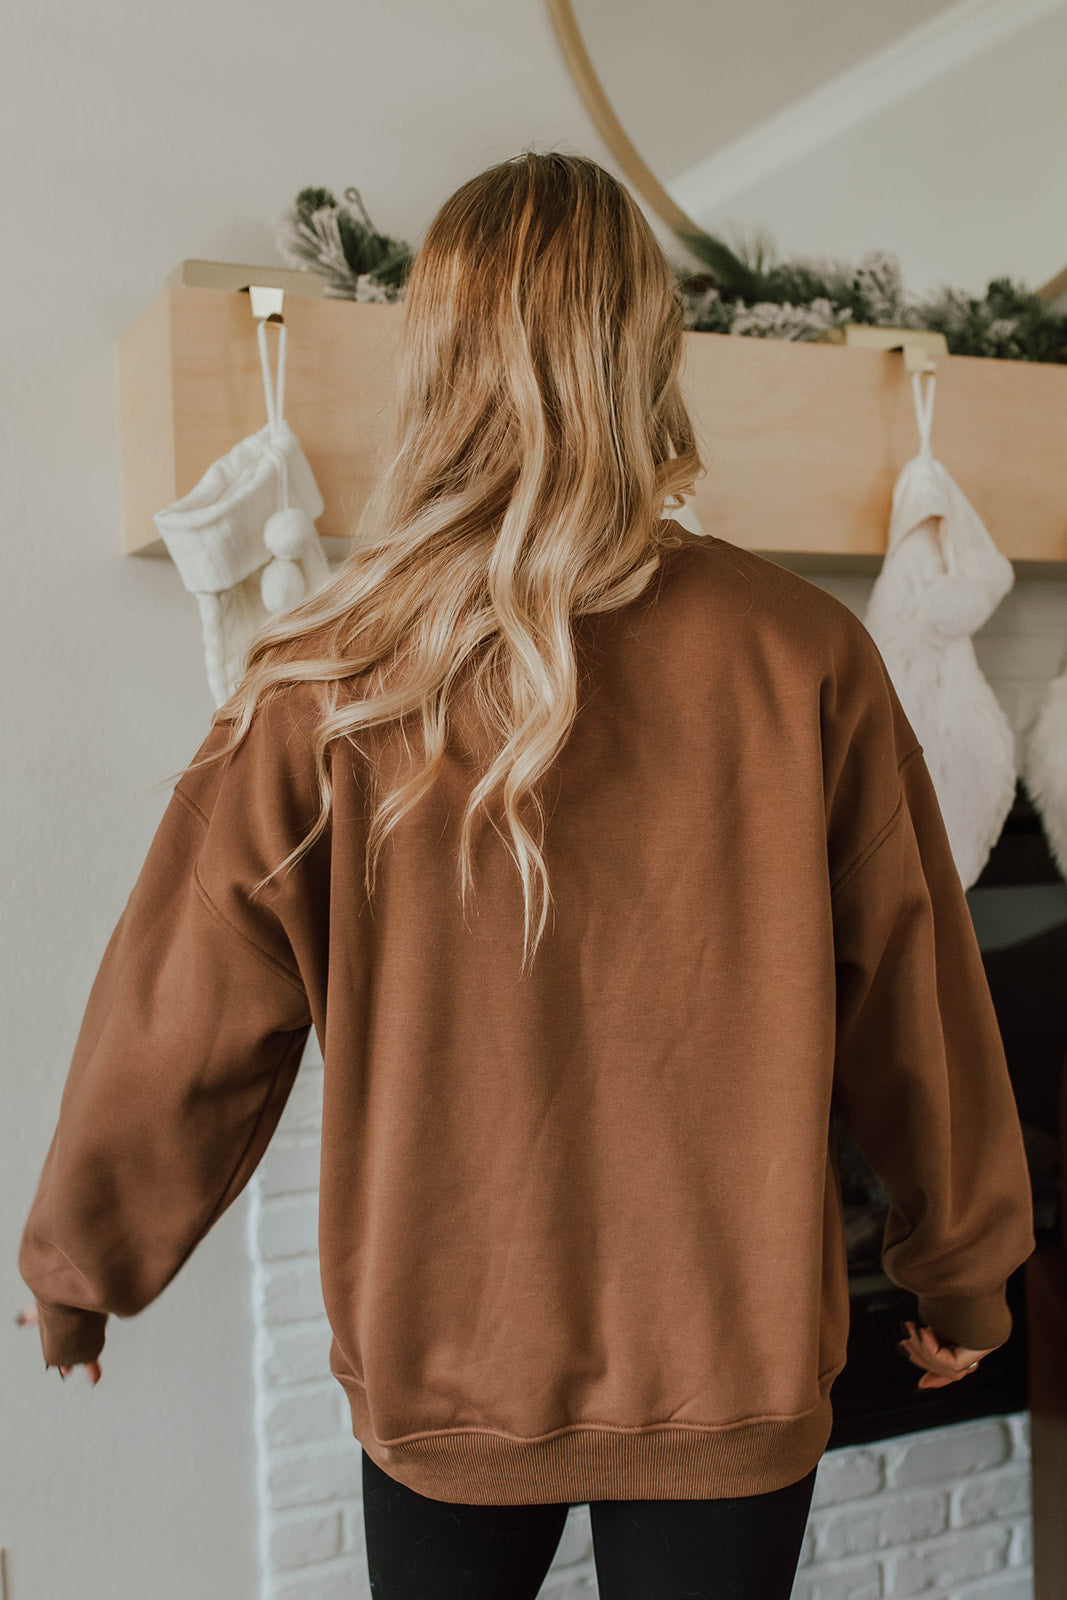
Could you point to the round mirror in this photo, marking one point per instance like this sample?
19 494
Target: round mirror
932 131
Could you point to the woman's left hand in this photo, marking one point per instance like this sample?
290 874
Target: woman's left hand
944 1363
27 1318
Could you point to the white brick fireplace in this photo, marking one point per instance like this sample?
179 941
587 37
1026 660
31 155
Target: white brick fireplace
943 1513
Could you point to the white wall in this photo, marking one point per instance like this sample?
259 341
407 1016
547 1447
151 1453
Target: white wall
134 135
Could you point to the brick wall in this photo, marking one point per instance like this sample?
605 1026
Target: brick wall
943 1513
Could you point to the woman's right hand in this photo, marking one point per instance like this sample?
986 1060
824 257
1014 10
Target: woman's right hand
943 1363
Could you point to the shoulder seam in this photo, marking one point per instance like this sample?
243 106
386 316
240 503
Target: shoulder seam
272 961
879 838
191 804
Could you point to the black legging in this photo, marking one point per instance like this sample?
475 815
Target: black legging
743 1548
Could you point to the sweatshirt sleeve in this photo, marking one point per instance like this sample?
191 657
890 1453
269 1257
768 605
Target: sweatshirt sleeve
920 1075
187 1050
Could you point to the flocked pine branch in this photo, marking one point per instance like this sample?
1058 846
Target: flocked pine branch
338 240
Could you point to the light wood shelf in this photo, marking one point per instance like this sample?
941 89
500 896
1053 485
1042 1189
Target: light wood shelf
802 441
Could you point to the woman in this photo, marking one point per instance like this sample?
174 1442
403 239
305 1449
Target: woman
602 859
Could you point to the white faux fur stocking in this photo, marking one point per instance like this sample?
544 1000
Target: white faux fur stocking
942 578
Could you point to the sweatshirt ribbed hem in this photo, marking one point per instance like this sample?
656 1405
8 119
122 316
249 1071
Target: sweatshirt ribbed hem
579 1464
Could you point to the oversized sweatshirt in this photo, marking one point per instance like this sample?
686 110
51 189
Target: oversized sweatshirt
580 1230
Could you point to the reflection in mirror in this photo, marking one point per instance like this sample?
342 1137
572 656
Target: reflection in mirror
931 130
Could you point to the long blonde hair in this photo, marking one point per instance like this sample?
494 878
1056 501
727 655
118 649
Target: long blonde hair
539 431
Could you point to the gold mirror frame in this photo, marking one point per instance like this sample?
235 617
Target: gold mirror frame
618 141
611 129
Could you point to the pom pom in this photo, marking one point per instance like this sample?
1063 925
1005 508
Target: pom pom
287 533
282 584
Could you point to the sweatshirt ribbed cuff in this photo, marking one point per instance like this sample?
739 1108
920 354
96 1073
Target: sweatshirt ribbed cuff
978 1321
69 1335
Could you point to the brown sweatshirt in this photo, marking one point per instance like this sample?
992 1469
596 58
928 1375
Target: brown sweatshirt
580 1231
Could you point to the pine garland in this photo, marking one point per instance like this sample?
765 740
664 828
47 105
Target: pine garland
747 290
338 240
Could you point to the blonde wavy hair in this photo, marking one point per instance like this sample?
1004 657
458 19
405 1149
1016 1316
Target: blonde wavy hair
539 431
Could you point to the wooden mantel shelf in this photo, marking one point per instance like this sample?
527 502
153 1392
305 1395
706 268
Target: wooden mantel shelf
802 441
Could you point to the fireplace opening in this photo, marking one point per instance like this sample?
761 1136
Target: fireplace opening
1019 909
